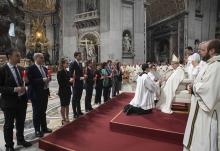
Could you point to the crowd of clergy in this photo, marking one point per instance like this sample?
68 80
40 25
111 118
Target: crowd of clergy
157 89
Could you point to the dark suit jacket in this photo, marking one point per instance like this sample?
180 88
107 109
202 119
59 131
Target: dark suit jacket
90 77
99 81
9 99
36 83
63 78
77 68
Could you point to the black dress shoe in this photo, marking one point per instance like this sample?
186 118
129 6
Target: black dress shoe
9 149
75 115
47 130
24 143
39 134
80 113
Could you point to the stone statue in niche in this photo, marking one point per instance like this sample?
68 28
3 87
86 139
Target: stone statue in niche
91 51
91 5
126 42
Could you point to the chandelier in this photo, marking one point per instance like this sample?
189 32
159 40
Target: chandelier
39 7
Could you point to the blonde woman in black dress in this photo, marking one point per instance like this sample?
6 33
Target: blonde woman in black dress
65 82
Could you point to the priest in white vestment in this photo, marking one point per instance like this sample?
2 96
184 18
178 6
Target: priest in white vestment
143 101
170 87
203 131
192 60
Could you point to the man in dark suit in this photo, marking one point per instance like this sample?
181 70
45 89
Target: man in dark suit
39 92
89 82
98 84
13 101
76 71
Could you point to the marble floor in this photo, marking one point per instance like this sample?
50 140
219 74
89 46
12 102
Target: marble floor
53 115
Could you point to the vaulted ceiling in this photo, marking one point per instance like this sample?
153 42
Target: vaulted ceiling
161 9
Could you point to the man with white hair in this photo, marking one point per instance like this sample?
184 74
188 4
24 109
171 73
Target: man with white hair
39 92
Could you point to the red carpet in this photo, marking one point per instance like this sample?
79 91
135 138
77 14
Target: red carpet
92 133
180 107
156 125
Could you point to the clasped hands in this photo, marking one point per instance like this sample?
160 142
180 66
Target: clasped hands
19 89
47 79
190 88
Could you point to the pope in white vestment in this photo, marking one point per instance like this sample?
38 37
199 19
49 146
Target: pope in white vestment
144 94
169 89
202 131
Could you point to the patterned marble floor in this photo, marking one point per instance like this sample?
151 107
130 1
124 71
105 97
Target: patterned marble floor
53 115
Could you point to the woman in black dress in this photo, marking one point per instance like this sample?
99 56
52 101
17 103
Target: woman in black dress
65 82
98 84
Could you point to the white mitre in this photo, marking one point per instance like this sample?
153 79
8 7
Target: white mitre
174 59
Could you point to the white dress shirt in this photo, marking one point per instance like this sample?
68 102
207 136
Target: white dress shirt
12 69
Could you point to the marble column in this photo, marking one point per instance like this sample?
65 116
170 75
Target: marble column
179 34
83 6
156 55
190 23
209 19
139 19
180 39
110 30
69 36
172 45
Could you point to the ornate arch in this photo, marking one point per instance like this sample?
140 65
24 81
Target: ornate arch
92 33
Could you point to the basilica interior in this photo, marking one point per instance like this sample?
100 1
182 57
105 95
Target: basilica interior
131 32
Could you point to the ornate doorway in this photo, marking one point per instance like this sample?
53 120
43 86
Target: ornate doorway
89 45
162 52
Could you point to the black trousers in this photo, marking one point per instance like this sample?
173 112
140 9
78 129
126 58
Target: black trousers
77 94
98 94
109 92
106 93
18 114
88 97
39 106
115 88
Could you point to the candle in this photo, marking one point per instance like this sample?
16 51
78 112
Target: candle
49 72
74 74
24 74
96 76
83 64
